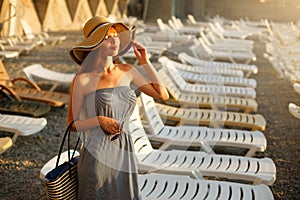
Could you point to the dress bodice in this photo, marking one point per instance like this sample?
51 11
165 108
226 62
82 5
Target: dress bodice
117 103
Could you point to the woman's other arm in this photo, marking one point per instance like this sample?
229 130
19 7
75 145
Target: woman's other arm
153 87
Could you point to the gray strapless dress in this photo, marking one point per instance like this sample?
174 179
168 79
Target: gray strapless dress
107 169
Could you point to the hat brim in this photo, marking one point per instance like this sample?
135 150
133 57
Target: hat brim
125 33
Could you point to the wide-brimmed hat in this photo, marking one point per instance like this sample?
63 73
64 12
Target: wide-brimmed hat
95 30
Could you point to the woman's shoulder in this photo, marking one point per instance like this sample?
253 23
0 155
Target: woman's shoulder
85 78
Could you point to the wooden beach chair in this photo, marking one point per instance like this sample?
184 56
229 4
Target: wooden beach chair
195 136
197 164
183 99
37 72
31 91
19 126
11 103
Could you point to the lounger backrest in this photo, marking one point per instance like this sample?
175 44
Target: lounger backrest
192 19
142 145
172 88
155 122
204 46
168 66
204 37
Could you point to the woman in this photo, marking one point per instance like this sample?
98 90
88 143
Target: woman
101 104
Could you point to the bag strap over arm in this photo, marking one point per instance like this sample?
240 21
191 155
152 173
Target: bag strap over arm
67 133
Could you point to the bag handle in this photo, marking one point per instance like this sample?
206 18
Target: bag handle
67 133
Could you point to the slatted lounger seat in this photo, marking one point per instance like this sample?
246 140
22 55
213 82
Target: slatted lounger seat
19 126
165 186
215 79
37 71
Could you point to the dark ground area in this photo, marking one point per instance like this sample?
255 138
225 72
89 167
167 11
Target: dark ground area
20 165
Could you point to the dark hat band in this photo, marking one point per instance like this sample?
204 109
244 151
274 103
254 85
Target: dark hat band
96 27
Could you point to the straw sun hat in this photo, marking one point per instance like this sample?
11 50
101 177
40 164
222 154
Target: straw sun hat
95 30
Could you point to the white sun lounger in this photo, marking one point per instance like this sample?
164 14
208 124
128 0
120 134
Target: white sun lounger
217 79
206 88
224 46
203 70
210 117
37 71
9 54
197 62
218 38
191 75
191 136
217 27
193 100
157 186
19 126
202 50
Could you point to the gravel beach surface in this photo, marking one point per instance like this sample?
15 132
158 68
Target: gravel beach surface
21 164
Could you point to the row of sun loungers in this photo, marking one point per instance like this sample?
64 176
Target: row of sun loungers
212 100
15 46
212 107
282 50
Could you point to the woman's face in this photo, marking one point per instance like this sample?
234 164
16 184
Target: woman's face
111 43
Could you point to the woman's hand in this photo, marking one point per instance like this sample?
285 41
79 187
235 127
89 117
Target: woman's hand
140 52
108 124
